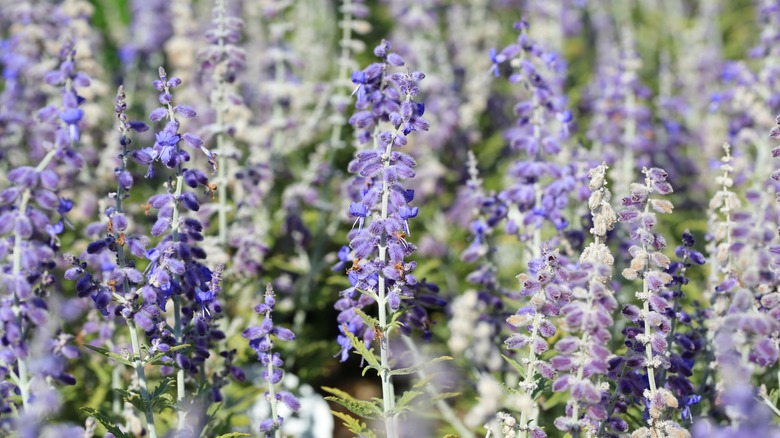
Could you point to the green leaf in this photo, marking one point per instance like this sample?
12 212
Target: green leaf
407 398
361 349
106 422
111 355
519 368
362 408
132 397
160 355
555 399
369 320
161 388
415 368
233 435
354 425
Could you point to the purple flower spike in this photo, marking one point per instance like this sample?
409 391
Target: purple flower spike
261 339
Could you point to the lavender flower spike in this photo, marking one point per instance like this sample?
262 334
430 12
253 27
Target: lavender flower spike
379 272
647 262
261 338
548 291
582 361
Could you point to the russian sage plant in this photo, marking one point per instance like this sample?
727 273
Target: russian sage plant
378 246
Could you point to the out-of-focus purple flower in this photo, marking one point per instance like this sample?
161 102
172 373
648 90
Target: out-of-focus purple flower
540 186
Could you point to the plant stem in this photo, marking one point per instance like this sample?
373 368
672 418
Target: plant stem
139 371
180 390
21 363
388 393
177 328
530 371
219 77
271 390
646 307
444 408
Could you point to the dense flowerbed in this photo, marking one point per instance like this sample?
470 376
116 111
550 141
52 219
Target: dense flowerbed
389 218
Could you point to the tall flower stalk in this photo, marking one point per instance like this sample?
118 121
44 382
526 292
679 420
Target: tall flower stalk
379 272
546 286
32 214
224 60
654 324
540 186
582 362
261 339
118 224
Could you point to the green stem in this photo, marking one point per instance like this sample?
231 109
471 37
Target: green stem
446 411
142 384
530 371
177 326
271 390
388 393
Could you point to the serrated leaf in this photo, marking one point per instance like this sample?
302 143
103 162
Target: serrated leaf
774 395
406 398
338 393
106 422
161 402
369 320
519 368
133 398
111 355
362 350
160 355
162 387
354 425
362 408
415 368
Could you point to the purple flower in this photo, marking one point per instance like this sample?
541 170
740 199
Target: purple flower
261 339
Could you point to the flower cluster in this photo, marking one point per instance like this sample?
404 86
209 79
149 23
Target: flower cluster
32 215
377 241
582 361
261 339
548 287
475 324
540 186
647 341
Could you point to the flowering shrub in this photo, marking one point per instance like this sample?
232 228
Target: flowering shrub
504 219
